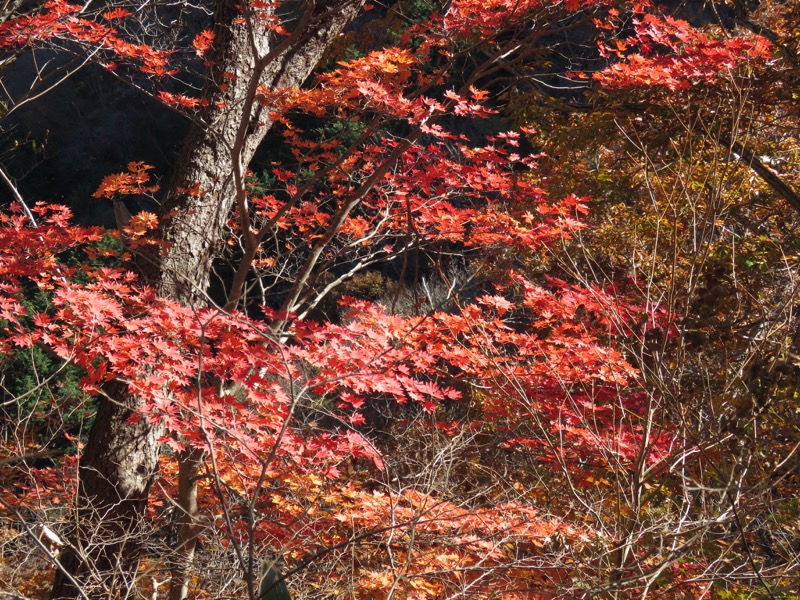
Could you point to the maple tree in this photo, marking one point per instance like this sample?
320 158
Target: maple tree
276 429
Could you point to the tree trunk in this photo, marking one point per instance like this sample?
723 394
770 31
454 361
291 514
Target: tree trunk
116 471
120 460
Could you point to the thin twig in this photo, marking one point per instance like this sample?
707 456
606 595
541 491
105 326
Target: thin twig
18 197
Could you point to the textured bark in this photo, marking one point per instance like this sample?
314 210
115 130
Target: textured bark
227 135
120 460
116 472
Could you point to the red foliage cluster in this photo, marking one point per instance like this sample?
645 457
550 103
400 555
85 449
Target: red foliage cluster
537 356
669 52
114 328
61 21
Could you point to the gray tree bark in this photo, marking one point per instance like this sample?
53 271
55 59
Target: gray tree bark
119 463
116 472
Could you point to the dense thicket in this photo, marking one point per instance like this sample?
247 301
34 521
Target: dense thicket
481 298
